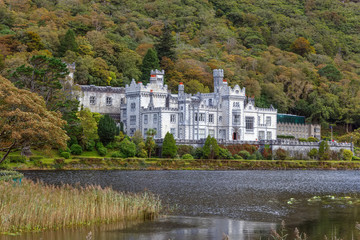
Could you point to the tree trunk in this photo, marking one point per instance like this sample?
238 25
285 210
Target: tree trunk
7 153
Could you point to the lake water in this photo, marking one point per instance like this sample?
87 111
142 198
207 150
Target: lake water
241 204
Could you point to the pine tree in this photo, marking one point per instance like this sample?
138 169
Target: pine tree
107 129
165 46
169 148
68 42
149 62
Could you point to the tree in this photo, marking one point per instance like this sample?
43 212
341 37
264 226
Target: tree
302 46
211 148
138 139
89 125
127 148
24 121
150 143
150 62
107 129
169 148
166 44
324 151
2 62
330 72
44 77
68 42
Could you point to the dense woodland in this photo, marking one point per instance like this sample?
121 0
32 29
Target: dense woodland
302 56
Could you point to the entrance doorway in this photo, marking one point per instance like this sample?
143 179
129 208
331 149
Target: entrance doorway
235 136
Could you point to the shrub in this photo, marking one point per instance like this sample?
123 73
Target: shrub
90 145
198 153
267 153
285 136
252 157
76 149
142 153
258 155
187 156
65 155
127 148
65 150
17 159
236 156
116 155
99 145
355 158
313 153
185 149
312 139
302 140
244 154
102 151
34 158
110 146
169 148
224 154
281 154
347 154
236 148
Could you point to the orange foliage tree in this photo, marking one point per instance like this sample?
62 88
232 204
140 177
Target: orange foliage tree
25 121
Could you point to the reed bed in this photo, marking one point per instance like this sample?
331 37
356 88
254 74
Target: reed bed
37 206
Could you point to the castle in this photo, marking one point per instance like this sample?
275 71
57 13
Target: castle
226 114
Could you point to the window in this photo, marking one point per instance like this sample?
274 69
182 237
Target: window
181 108
173 132
261 135
155 118
181 117
132 119
269 135
180 133
236 104
212 132
201 133
211 118
196 117
222 134
173 118
236 119
145 131
210 102
133 106
124 114
132 131
259 120
268 121
249 124
220 118
108 101
202 117
122 101
145 119
92 100
156 132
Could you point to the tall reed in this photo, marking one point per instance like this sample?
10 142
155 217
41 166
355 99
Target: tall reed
37 206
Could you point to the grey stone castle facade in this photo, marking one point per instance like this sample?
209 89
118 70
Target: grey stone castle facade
226 114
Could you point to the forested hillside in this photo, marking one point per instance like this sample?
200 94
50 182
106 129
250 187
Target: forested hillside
302 56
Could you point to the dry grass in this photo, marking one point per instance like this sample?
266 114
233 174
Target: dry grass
36 206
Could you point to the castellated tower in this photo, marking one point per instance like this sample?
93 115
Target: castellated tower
218 75
157 77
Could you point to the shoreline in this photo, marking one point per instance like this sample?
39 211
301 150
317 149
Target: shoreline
179 164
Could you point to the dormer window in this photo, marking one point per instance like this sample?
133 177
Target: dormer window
92 100
108 101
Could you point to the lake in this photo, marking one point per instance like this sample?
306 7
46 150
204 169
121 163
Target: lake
207 204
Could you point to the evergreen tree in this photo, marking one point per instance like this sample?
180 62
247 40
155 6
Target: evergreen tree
211 148
107 129
169 148
149 62
68 42
165 46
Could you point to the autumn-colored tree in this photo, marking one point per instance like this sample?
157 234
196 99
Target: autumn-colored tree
302 46
32 41
25 121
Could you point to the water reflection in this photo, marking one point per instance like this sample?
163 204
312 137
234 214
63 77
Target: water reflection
171 227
